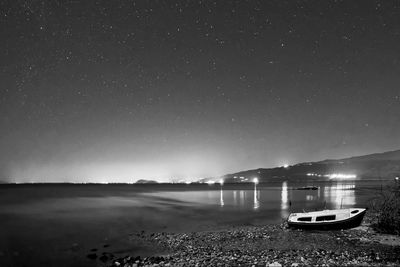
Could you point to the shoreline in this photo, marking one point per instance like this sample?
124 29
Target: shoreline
269 245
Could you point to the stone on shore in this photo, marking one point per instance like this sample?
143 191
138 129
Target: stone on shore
271 245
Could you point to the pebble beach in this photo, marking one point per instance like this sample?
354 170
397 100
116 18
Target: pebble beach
270 245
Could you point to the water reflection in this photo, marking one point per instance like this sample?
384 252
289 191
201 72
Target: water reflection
270 201
284 196
266 201
331 195
221 201
242 195
341 194
310 197
256 199
284 200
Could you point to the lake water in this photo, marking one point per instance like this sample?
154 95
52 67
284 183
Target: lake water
57 225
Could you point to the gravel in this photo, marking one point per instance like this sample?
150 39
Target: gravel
270 245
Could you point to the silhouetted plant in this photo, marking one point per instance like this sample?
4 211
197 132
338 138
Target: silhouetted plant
387 210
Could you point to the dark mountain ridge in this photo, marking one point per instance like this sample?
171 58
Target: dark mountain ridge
386 156
384 165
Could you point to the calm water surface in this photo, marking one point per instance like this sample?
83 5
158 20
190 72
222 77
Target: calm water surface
277 200
57 225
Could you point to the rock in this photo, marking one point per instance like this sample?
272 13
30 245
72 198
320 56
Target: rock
92 256
103 258
246 246
275 264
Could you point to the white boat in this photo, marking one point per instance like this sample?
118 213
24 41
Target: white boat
327 219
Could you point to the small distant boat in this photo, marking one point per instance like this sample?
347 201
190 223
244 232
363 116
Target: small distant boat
308 188
327 219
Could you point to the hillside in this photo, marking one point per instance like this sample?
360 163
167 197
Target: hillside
385 156
373 166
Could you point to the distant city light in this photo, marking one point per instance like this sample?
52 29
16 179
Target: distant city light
334 175
341 176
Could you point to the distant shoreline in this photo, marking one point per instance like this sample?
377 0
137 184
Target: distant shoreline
273 180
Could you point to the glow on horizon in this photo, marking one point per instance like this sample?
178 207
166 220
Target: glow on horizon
341 176
92 173
184 169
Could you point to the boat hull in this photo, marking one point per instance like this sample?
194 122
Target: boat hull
334 225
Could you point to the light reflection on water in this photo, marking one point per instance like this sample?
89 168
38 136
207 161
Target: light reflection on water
283 197
284 200
238 199
222 198
242 196
277 199
341 195
256 200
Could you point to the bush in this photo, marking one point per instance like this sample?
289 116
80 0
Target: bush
387 209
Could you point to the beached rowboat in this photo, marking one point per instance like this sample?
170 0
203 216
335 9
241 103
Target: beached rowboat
327 219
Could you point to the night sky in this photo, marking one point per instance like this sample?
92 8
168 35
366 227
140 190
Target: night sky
115 91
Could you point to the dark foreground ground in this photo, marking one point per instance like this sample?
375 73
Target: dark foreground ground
272 245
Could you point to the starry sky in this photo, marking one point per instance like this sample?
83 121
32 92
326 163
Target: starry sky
115 91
